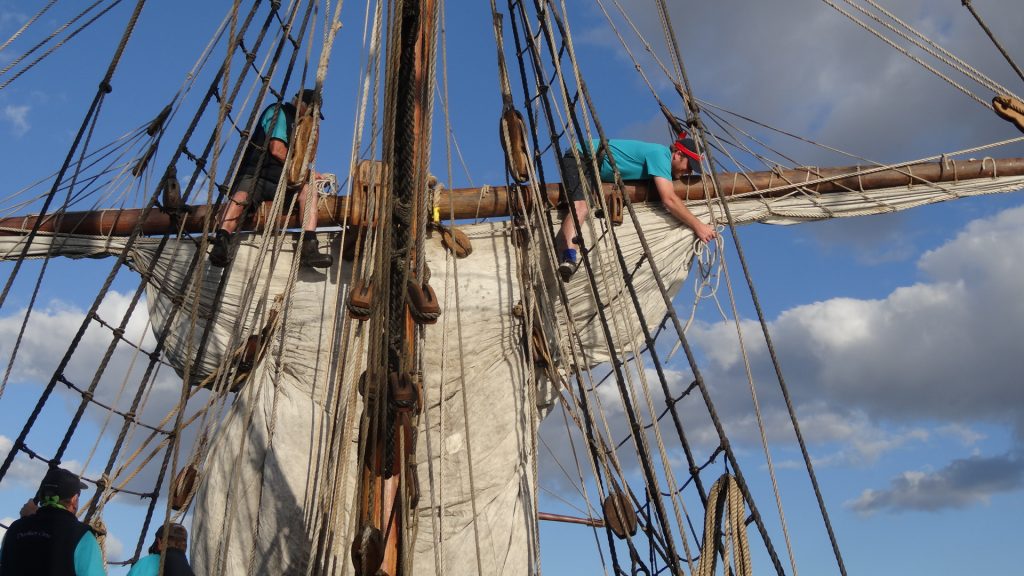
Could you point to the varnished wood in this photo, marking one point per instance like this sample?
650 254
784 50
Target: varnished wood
492 201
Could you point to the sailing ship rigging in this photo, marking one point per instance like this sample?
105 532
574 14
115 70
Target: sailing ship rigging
382 416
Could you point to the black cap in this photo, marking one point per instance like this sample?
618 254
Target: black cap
62 483
688 147
308 96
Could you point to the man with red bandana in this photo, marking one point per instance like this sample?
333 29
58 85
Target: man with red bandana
635 160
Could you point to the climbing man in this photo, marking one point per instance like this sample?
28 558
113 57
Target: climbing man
636 161
173 546
51 541
262 168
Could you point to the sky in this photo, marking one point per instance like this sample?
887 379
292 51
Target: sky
899 335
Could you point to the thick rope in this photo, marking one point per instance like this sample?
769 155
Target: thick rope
725 496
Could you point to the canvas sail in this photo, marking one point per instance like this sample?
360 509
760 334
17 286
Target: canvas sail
256 509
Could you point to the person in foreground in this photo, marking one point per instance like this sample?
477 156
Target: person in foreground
635 160
51 541
256 182
173 546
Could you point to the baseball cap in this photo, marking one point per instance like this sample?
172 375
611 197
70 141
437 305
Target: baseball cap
309 96
687 146
62 483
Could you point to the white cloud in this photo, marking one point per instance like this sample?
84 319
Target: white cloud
941 349
5 521
24 472
114 548
46 339
962 483
869 378
964 434
17 117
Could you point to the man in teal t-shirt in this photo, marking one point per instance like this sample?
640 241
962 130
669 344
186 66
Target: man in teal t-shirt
262 167
635 160
173 546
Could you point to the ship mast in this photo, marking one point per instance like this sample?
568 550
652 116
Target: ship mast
388 487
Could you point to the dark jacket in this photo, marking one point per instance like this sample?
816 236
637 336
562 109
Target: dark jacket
271 168
42 544
175 564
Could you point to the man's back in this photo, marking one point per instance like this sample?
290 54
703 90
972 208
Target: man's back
47 543
636 160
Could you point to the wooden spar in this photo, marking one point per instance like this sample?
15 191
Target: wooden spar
547 516
490 202
493 201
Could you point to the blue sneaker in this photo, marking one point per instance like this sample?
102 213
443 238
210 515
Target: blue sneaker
567 267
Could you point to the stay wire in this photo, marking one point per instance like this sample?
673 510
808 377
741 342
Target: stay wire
970 7
32 64
621 377
97 100
27 24
536 61
699 133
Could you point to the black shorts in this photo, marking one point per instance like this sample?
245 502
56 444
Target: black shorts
571 175
259 189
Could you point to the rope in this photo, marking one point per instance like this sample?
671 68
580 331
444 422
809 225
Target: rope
970 7
906 53
548 239
621 377
35 229
942 54
27 23
649 345
725 493
58 45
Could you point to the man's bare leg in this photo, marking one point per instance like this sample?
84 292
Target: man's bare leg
220 255
308 198
569 259
309 253
233 212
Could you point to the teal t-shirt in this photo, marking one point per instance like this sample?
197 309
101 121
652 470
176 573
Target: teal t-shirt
146 566
88 557
636 160
275 124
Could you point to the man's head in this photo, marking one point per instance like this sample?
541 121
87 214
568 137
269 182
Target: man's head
304 99
176 538
685 157
62 487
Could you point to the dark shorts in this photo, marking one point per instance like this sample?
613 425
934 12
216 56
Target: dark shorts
259 189
571 176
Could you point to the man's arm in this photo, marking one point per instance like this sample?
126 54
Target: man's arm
678 209
278 149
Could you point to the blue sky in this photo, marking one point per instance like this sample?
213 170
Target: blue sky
899 334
